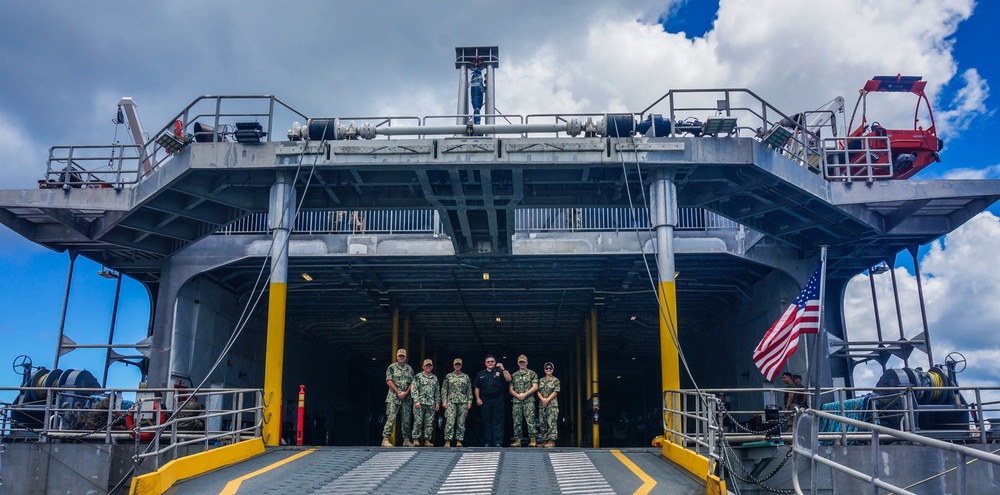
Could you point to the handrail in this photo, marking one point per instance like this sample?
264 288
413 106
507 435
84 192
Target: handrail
45 414
806 431
706 423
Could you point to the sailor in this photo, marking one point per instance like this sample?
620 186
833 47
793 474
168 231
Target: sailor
399 377
426 397
488 388
477 88
523 385
456 399
548 408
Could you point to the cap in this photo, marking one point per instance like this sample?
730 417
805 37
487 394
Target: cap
549 365
428 361
522 357
457 361
401 352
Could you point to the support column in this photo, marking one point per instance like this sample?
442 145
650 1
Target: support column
282 214
587 371
406 332
395 346
463 94
663 212
62 317
578 399
489 105
111 331
593 358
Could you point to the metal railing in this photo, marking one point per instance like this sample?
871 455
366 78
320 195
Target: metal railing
118 165
346 222
214 416
806 444
525 220
709 422
864 158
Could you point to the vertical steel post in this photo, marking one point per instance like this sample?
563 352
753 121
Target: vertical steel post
899 310
395 346
281 210
490 96
463 94
923 310
596 395
579 394
111 331
62 317
663 215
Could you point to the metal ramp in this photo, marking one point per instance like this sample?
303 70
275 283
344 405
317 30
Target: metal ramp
357 470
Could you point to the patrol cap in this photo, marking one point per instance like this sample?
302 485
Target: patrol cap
522 357
428 361
401 352
549 365
457 361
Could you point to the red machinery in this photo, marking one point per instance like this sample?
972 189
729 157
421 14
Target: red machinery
907 150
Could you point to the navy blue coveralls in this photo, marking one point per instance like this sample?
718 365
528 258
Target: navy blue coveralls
492 385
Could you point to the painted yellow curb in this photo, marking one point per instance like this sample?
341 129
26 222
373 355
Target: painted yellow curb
158 482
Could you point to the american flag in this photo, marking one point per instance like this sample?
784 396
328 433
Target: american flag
782 339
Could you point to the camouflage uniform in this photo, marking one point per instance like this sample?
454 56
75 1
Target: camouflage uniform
549 415
456 393
402 376
524 410
427 392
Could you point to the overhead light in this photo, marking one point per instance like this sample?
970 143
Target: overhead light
715 126
374 359
497 319
777 137
633 358
171 143
307 277
486 276
631 318
618 376
249 132
362 318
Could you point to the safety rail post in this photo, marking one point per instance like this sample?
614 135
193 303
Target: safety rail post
301 416
237 416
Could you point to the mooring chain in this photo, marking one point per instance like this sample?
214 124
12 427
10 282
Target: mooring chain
759 481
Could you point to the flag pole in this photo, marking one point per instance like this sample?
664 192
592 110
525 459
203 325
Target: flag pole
817 365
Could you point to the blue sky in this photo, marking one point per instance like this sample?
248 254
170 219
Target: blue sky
62 87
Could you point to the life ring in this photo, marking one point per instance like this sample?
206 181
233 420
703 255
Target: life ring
132 420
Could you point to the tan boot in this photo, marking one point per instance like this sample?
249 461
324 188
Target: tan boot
386 442
516 443
407 443
549 444
447 444
428 443
458 443
532 443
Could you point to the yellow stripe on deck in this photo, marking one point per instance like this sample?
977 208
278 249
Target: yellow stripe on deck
647 482
234 485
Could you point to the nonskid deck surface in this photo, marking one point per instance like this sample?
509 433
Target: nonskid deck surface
357 470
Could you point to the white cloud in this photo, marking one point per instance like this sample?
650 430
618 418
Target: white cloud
960 292
21 162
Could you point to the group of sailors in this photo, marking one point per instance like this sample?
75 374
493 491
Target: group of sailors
416 398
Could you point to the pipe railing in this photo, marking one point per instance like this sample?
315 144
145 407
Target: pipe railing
806 444
96 414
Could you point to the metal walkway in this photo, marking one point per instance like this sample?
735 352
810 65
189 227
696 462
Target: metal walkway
356 470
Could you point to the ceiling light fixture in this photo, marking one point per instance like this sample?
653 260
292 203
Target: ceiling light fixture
362 318
486 276
307 277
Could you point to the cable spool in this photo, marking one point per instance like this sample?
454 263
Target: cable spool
134 417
